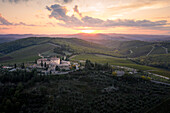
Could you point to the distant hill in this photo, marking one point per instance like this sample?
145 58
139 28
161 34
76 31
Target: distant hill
143 37
12 37
91 37
118 37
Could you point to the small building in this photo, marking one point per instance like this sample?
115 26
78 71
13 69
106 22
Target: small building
12 70
48 61
55 60
6 67
42 60
120 73
64 66
65 62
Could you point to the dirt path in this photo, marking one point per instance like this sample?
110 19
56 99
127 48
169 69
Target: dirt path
157 82
153 47
72 56
131 52
166 49
54 44
159 75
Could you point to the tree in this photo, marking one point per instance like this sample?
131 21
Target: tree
41 63
35 61
15 66
89 64
22 66
45 65
67 59
57 68
60 59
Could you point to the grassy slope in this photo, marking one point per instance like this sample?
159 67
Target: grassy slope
156 58
81 46
120 62
28 49
21 43
28 53
139 48
158 50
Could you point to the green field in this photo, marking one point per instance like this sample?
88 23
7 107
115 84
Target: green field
28 54
119 62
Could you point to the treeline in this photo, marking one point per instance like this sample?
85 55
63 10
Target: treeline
96 66
62 49
160 61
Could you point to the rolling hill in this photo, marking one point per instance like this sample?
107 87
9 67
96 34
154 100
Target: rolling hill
137 48
10 51
28 48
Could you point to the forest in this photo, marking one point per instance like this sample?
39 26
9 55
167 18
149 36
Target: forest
91 90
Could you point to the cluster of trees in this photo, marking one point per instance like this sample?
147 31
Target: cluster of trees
13 99
88 90
61 50
96 66
160 61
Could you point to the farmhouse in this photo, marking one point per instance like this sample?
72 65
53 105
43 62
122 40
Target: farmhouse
50 64
49 61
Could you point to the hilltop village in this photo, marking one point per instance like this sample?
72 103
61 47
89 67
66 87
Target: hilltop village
54 65
47 66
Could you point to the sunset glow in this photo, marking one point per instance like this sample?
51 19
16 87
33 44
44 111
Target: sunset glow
67 16
88 31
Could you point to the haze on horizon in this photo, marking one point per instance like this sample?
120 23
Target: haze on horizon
84 16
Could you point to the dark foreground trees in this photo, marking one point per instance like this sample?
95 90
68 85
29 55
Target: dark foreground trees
85 91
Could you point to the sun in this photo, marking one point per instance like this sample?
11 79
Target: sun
88 31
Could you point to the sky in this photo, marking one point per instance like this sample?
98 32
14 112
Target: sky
85 16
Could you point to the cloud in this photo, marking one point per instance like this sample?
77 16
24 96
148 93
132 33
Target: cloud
4 21
165 17
134 23
138 5
64 1
24 24
92 22
14 1
76 10
17 1
60 13
3 28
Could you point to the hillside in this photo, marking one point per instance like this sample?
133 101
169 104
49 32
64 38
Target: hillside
26 54
137 48
161 61
28 48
